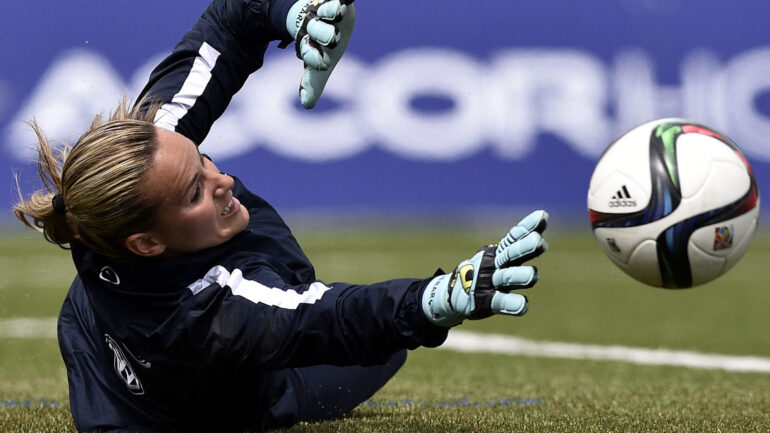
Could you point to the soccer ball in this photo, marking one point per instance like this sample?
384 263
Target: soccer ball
673 203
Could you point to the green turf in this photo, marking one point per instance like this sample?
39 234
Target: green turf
581 297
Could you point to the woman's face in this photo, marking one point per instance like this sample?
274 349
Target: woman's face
197 208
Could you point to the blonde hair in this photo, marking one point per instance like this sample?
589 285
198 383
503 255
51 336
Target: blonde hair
100 180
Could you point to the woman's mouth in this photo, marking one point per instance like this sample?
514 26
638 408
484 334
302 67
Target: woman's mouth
231 208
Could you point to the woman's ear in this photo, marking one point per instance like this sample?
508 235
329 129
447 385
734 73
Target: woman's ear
145 245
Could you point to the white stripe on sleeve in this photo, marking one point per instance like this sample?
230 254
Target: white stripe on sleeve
217 274
169 114
256 292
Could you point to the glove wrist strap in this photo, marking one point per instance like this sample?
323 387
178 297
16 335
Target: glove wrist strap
435 303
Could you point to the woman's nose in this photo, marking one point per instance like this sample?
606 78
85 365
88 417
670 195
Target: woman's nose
224 183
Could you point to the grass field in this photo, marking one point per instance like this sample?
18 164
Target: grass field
581 298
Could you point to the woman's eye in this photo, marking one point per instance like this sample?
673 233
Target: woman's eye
196 194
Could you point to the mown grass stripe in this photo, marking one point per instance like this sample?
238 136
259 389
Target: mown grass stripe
464 341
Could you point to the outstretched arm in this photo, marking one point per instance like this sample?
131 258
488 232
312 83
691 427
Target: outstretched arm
257 319
248 316
196 82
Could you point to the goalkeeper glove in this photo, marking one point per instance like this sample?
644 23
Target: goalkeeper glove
322 30
479 287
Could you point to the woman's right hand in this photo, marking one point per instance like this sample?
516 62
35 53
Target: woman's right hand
322 30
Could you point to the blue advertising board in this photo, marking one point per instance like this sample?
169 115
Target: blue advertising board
437 106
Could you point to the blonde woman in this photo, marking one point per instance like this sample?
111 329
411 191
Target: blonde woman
194 308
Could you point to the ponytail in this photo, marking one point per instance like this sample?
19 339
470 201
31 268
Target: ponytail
38 212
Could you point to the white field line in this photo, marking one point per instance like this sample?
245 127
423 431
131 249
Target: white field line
28 327
464 341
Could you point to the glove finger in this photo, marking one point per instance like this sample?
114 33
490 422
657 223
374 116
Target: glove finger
322 32
314 79
526 248
511 304
332 10
313 55
537 221
312 85
517 277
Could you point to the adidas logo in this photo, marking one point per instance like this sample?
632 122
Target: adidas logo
622 198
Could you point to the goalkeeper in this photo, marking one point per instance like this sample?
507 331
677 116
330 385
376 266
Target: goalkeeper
194 308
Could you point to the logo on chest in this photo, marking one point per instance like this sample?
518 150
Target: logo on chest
123 367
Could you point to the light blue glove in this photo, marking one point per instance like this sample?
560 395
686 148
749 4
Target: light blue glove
479 287
322 30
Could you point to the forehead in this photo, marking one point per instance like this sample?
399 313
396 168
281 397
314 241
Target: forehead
175 164
173 143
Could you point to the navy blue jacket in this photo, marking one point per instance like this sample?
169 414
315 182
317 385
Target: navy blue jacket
206 342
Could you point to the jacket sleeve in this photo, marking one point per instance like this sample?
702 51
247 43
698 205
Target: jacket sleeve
260 322
196 82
